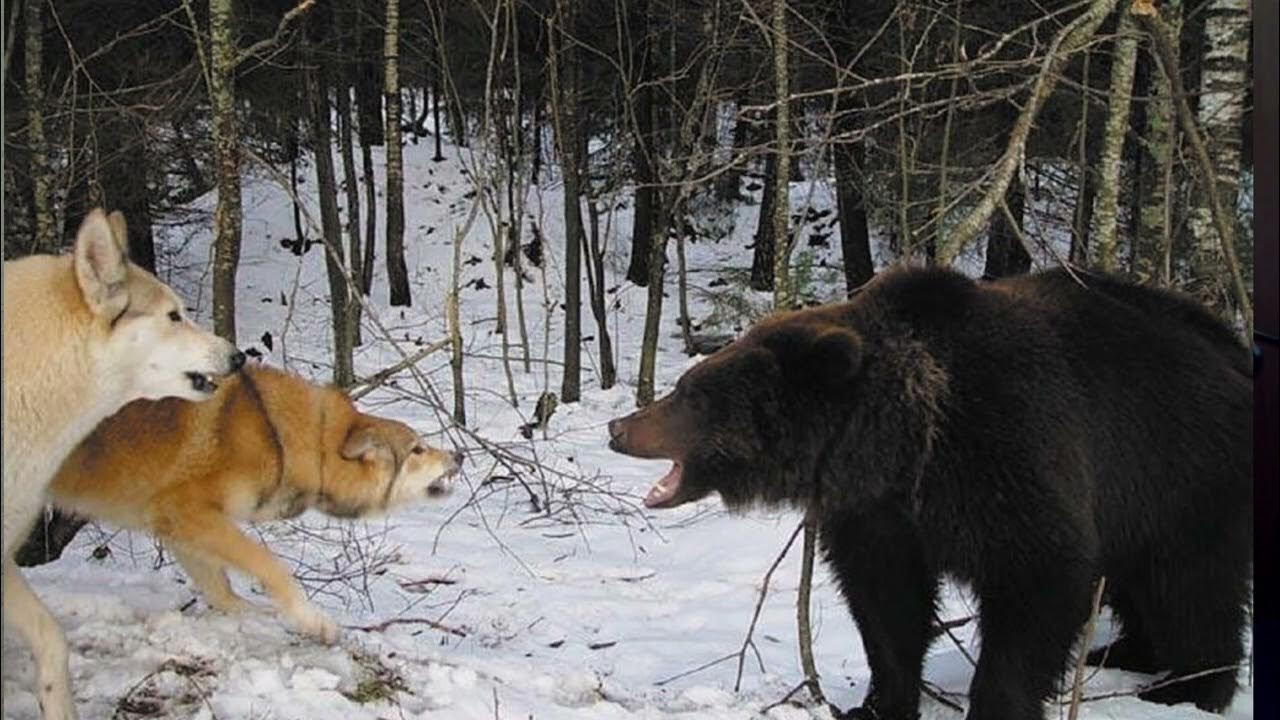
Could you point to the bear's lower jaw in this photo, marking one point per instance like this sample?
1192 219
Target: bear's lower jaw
664 493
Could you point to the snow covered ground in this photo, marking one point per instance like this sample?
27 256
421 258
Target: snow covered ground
482 606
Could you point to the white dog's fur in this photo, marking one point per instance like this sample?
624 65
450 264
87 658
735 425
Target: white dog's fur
83 335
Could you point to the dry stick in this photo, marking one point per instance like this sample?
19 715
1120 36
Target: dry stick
1077 686
1164 683
375 381
435 625
785 698
939 695
1068 40
803 624
1148 16
755 616
268 43
947 627
691 671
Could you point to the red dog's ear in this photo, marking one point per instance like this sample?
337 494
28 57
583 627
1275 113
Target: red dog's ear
363 443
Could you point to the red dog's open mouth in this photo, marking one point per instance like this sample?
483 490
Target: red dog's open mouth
663 494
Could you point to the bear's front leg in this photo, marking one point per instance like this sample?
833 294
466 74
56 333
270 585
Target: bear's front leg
879 562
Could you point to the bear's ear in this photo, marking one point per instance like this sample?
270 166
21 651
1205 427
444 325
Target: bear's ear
827 356
834 356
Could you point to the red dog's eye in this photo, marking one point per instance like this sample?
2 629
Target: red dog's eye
418 450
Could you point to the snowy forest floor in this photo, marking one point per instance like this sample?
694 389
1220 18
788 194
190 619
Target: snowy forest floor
586 606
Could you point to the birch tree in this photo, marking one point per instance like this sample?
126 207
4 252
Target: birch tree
782 168
1224 78
226 145
1123 61
46 239
1155 215
350 185
397 272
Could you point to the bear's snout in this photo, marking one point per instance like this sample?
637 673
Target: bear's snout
617 435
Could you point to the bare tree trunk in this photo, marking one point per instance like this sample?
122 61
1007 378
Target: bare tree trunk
855 234
1114 132
123 171
455 334
1087 186
435 118
1005 254
497 52
729 186
397 272
226 144
535 130
564 117
644 148
944 155
682 295
1155 214
599 307
1224 78
295 200
516 198
46 239
653 309
330 224
366 158
351 186
782 298
762 254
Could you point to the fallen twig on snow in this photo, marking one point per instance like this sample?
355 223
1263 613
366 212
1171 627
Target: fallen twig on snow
435 625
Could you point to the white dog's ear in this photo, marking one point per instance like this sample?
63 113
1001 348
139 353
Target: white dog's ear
101 263
119 231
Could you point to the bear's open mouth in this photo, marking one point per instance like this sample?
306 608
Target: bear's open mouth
663 494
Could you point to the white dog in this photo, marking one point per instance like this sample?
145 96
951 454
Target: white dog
83 335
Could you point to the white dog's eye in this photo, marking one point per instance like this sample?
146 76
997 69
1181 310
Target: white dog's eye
418 450
175 316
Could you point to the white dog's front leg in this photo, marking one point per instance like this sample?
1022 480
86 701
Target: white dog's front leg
24 611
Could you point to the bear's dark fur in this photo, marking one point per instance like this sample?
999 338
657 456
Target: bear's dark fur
1025 437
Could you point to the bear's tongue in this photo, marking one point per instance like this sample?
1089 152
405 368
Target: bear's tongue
665 490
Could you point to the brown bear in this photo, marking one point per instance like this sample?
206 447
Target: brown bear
1024 437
